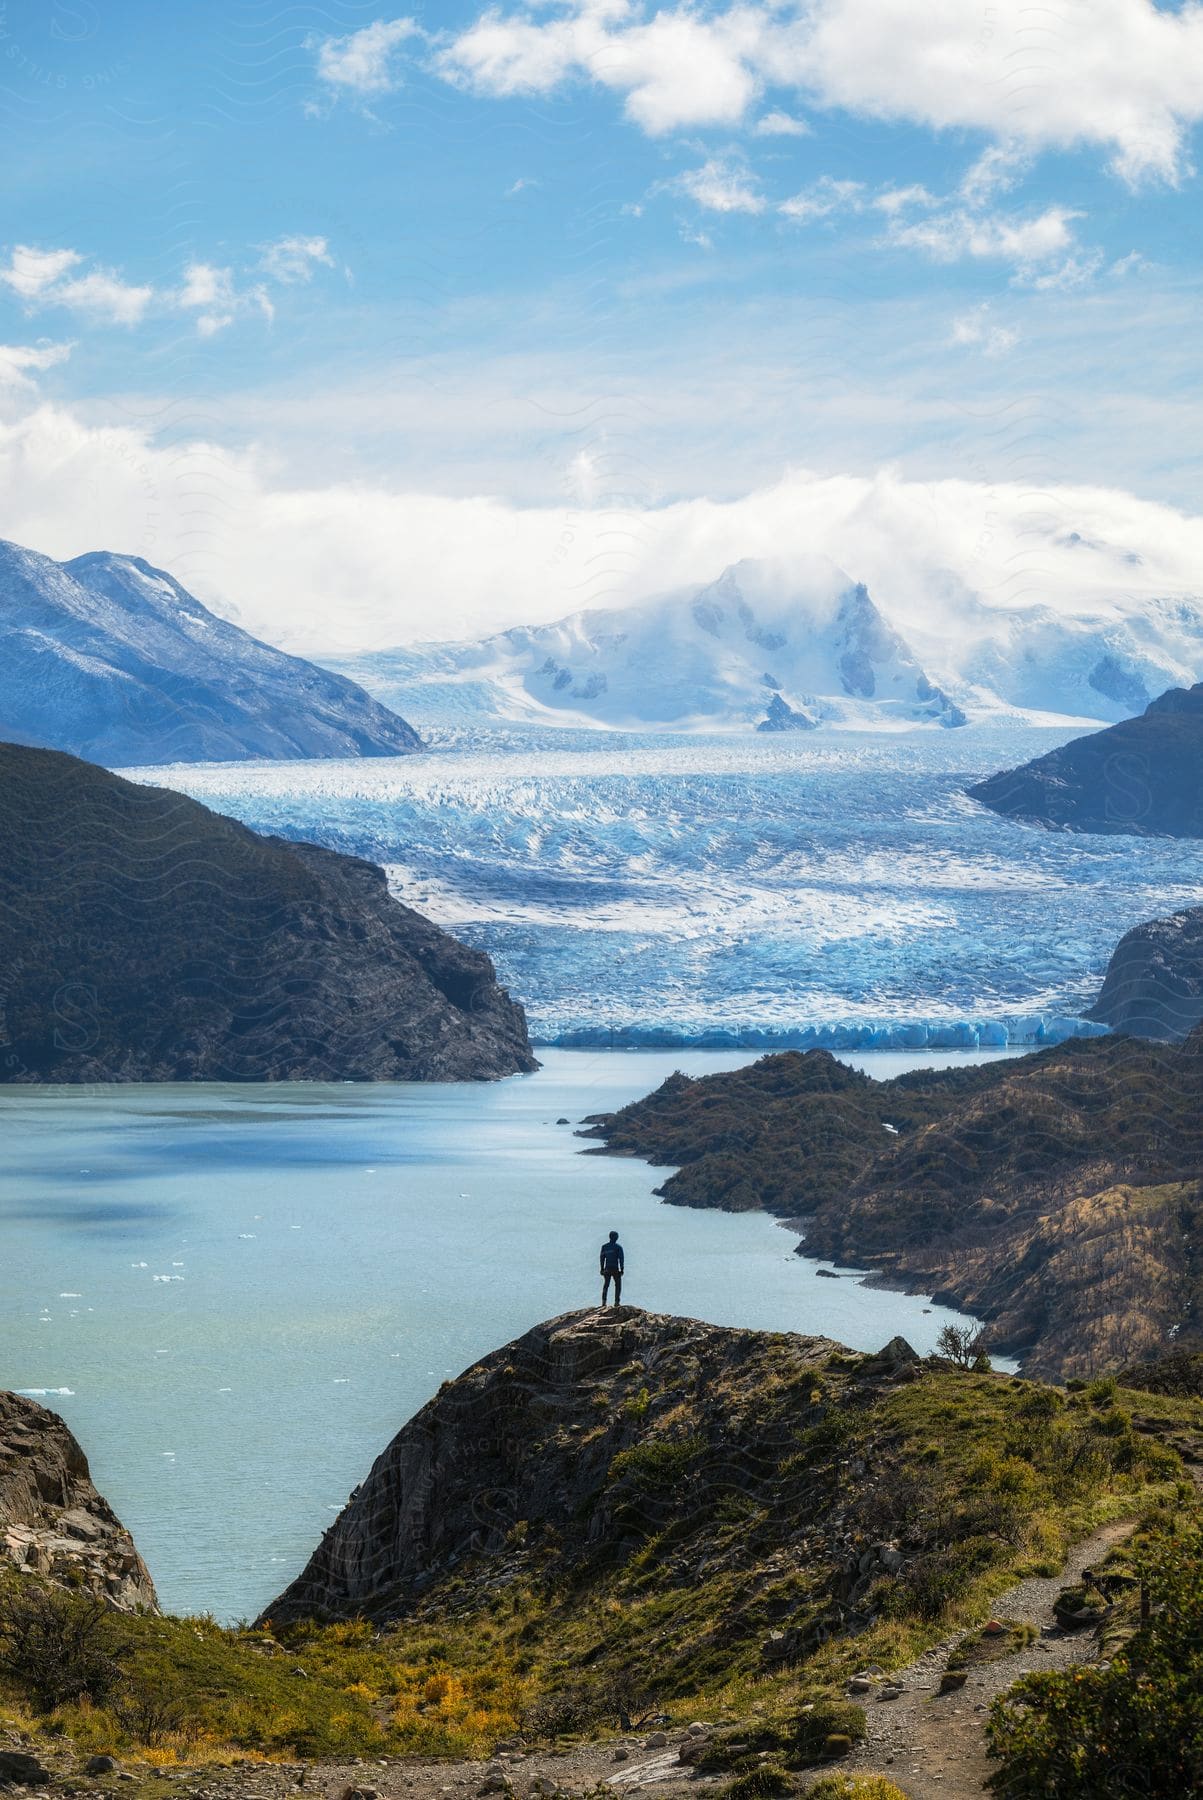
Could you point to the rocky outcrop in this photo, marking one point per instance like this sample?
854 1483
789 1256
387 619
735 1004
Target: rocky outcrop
1142 777
780 716
110 658
526 1450
53 1523
1153 987
145 938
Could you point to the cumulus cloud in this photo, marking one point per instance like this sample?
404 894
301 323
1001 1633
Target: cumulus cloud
333 567
719 186
821 199
31 271
673 67
19 363
1121 76
103 295
54 278
364 62
295 259
1024 241
979 330
781 124
213 294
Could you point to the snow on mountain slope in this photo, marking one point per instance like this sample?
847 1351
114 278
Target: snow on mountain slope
795 644
113 660
785 644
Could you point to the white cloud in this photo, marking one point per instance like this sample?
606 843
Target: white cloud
1122 76
31 271
896 200
1071 272
718 186
821 199
364 62
20 362
673 68
781 124
213 294
335 566
105 296
949 236
996 171
295 259
39 277
977 328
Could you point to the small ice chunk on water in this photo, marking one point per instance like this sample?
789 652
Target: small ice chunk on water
47 1393
245 1236
70 1296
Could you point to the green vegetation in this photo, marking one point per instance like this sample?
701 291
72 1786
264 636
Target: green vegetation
1134 1726
1055 1195
855 1787
726 1562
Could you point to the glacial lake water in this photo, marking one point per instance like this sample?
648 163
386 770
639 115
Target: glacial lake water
236 1295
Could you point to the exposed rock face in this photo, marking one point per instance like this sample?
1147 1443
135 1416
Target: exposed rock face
53 1523
514 1439
1142 777
781 717
145 938
1153 987
110 658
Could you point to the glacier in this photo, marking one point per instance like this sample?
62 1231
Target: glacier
759 891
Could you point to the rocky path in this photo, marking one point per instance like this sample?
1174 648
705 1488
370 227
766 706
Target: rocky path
932 1744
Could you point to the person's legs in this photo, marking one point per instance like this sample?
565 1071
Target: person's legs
605 1288
618 1290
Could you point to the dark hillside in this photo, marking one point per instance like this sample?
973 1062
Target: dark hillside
145 938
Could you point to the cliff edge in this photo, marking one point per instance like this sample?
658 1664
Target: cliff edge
53 1523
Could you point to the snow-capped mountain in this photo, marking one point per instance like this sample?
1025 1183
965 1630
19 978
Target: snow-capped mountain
793 645
1105 658
781 646
113 660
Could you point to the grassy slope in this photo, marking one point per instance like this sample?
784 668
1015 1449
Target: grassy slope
741 1512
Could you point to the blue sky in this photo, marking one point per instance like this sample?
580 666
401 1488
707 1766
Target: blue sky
584 258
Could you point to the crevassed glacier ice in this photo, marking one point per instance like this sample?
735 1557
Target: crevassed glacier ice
737 891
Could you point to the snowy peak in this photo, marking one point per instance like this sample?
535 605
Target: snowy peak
798 635
112 659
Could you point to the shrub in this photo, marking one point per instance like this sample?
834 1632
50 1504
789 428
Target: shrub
855 1787
823 1719
761 1783
1133 1727
58 1647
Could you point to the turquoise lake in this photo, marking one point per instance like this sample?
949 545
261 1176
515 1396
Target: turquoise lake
236 1295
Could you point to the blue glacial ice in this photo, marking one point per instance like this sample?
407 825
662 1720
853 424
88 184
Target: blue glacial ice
733 890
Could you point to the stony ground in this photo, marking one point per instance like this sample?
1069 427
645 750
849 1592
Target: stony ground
931 1744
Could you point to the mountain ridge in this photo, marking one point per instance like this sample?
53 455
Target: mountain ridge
108 657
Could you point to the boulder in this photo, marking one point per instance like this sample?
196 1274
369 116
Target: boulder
22 1770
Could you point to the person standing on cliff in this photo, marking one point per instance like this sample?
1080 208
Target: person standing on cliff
612 1262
